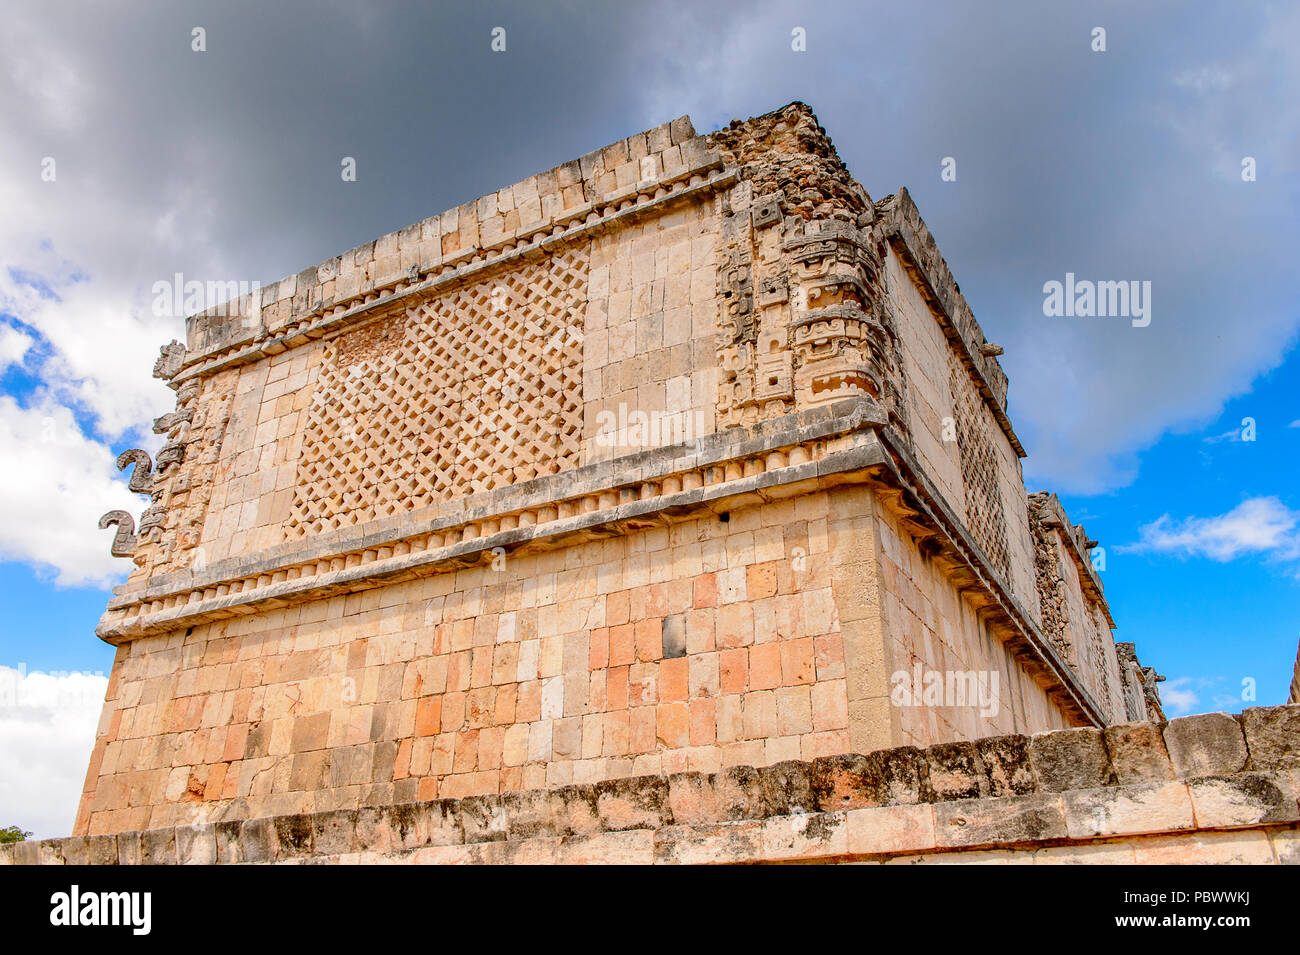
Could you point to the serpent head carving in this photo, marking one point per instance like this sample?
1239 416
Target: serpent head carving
124 539
142 475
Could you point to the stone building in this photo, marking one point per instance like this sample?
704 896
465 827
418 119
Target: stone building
683 456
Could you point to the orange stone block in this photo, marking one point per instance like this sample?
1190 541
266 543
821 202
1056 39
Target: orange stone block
673 724
760 580
236 740
622 645
402 764
598 658
797 661
703 722
706 591
616 688
506 704
428 716
649 640
674 678
734 670
765 666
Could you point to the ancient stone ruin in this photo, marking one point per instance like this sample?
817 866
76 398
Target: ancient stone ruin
661 507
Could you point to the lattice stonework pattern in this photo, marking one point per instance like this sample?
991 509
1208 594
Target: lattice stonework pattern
979 471
475 389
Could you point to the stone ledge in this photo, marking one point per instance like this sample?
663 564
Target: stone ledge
1050 790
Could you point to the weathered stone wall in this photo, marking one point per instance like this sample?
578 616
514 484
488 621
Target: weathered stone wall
696 646
637 466
934 626
1074 614
1202 789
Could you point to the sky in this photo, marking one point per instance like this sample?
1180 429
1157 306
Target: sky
129 156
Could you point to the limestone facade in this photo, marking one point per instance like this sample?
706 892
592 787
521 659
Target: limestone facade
669 459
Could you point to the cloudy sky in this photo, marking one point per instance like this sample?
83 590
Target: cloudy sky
129 156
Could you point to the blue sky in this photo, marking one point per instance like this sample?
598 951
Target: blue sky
1209 623
1122 164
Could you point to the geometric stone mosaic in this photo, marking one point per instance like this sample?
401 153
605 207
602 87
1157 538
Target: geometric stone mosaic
468 391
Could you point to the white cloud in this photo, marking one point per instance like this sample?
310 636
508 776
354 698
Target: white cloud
1259 525
1179 697
47 733
14 345
80 254
54 487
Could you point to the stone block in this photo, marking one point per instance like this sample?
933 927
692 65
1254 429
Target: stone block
1286 845
692 799
805 835
890 829
90 850
1070 759
416 824
257 840
882 778
1208 744
1003 821
787 788
1128 810
634 847
739 793
954 771
229 842
335 832
373 830
50 852
482 818
640 802
1247 847
25 853
294 835
574 810
1137 753
1272 736
196 845
1244 799
714 844
158 847
1008 769
529 815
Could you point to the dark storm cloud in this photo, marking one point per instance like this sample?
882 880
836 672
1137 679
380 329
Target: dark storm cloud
1114 166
